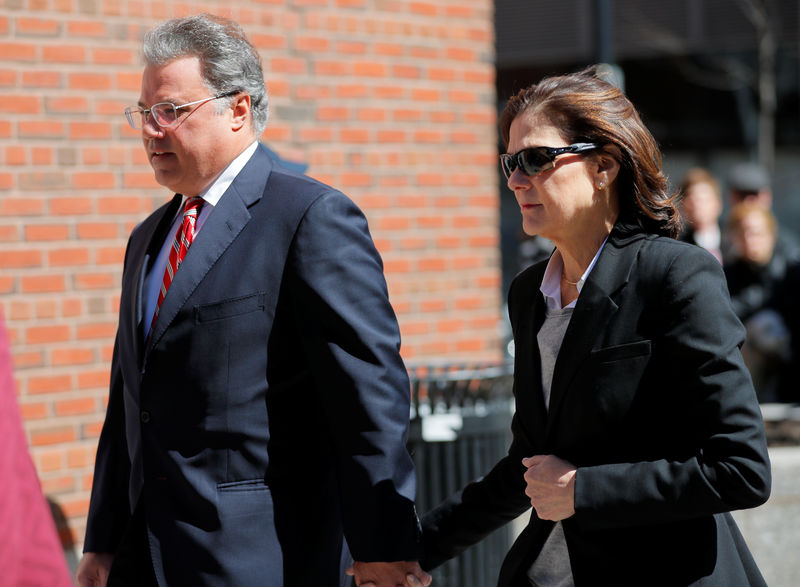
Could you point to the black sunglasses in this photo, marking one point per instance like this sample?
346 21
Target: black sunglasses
533 160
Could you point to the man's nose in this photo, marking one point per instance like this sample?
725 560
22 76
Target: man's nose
150 128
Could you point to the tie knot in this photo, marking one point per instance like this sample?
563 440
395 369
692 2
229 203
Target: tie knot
193 205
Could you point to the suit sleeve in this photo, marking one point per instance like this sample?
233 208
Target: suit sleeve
109 508
698 369
352 338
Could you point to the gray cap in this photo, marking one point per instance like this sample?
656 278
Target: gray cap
748 177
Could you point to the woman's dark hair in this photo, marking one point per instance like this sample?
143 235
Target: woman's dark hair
587 109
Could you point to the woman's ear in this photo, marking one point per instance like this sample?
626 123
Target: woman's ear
241 111
606 166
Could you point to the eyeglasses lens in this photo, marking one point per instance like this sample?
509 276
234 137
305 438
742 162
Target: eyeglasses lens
532 161
164 114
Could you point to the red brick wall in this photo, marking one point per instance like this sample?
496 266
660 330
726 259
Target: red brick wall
391 101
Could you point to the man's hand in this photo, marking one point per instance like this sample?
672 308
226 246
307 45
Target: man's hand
395 574
551 486
93 569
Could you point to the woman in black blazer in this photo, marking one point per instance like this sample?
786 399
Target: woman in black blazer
637 429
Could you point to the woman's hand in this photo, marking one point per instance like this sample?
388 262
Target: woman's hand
551 486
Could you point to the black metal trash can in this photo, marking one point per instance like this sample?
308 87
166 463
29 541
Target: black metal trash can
460 427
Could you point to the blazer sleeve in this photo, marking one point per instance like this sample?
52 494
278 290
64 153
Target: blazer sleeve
352 339
488 503
696 341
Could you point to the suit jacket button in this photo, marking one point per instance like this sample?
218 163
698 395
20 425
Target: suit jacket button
145 417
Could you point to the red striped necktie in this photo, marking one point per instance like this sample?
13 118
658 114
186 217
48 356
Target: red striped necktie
180 244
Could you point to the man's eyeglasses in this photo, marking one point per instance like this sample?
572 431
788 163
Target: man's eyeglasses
534 160
164 113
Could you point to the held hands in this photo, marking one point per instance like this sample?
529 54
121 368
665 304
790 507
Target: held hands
394 574
551 486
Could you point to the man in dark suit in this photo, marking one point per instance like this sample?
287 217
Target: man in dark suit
259 406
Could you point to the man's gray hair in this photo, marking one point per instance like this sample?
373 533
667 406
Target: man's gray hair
228 61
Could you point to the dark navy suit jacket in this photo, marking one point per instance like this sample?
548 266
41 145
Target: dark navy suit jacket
265 418
652 402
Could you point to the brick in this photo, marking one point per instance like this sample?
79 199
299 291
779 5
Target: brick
333 68
75 407
311 44
42 283
351 91
88 81
98 230
81 456
76 205
18 51
59 484
369 69
31 129
93 379
66 105
64 54
28 360
102 331
37 27
86 28
11 104
42 155
423 8
272 42
72 356
8 77
354 135
11 206
46 308
109 56
33 410
49 384
93 180
110 256
49 460
36 335
10 259
287 65
90 281
90 130
41 79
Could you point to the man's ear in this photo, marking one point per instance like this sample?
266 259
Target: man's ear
241 111
607 165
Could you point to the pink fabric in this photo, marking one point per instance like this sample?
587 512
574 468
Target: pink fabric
30 551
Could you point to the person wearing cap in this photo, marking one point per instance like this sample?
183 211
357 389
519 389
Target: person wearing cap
750 182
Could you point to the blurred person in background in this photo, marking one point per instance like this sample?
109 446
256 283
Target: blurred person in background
701 208
756 274
789 308
637 429
30 551
750 183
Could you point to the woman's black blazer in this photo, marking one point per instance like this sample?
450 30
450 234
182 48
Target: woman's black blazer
652 403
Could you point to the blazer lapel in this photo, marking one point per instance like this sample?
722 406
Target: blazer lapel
225 222
595 308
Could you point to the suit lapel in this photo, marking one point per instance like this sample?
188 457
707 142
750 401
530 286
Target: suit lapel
595 308
223 224
143 250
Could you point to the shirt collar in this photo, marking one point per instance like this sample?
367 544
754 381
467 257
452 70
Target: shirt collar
213 192
551 283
